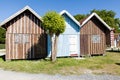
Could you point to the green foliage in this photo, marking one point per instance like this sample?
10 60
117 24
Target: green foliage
117 21
109 18
104 13
79 17
2 35
53 23
2 46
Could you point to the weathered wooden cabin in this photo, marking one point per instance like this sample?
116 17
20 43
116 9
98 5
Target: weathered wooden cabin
95 35
69 41
117 40
25 37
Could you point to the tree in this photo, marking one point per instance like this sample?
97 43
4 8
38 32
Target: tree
117 21
79 17
54 25
2 36
109 18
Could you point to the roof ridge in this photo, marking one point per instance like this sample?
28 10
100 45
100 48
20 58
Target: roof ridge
18 13
65 11
98 17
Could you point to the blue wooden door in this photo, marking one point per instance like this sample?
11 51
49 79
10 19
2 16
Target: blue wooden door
73 45
67 45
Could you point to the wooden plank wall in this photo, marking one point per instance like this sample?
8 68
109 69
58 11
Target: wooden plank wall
84 44
87 47
26 23
118 45
112 37
108 35
117 39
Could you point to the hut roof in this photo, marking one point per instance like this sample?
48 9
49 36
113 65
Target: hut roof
69 15
84 21
18 13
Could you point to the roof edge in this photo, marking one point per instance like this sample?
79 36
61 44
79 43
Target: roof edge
101 20
19 12
66 12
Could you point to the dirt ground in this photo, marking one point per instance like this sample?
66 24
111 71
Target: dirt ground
11 75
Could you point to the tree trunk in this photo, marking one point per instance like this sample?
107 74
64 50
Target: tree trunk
52 46
54 41
55 48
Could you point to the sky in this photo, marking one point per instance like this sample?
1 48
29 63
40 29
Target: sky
9 7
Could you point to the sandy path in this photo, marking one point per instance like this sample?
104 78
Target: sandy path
11 75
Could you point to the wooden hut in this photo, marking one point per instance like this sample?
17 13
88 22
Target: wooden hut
117 40
69 40
25 37
95 34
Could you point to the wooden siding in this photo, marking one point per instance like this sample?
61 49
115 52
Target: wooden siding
26 25
108 36
112 38
87 46
117 40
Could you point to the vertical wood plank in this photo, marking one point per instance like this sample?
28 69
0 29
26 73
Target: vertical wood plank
37 26
9 46
30 48
33 47
34 23
21 24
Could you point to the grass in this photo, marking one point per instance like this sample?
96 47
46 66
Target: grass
109 64
2 46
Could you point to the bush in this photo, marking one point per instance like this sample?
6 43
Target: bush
2 36
2 46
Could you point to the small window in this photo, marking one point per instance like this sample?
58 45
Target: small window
25 38
21 38
96 38
17 38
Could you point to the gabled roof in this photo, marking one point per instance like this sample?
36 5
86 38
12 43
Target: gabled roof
92 15
68 14
18 13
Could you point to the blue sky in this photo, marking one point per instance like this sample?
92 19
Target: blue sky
9 7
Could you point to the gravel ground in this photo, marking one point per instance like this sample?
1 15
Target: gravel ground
11 75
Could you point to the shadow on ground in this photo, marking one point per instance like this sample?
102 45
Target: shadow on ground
3 57
117 64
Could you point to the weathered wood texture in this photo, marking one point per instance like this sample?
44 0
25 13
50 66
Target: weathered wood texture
25 37
87 45
117 38
112 37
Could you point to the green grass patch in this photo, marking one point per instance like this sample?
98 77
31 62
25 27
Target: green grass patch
109 64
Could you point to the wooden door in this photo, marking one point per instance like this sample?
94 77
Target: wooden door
73 48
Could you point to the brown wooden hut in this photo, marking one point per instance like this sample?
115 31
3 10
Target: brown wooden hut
94 35
25 37
117 40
